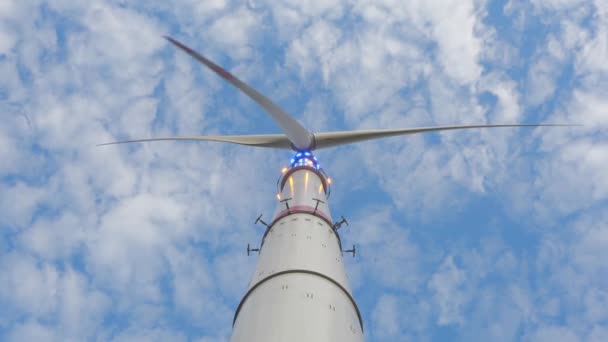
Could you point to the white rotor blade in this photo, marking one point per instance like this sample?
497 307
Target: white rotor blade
297 134
332 139
266 140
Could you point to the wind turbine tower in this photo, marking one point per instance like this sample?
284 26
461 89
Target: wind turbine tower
299 291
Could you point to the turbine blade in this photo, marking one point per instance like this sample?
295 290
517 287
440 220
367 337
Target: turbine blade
299 136
332 139
279 141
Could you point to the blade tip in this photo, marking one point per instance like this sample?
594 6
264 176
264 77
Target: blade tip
172 40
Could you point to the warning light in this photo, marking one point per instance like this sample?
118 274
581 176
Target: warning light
328 180
279 197
304 158
283 170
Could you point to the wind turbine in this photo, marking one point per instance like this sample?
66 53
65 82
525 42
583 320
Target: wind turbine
299 291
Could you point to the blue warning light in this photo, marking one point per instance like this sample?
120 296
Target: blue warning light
305 158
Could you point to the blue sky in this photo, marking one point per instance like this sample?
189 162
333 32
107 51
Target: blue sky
477 235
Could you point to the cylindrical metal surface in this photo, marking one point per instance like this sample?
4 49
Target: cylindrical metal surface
299 291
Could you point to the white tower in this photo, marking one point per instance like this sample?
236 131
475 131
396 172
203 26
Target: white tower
299 291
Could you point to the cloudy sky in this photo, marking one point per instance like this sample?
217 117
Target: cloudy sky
495 235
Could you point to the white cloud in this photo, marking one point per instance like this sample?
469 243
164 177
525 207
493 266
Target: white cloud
142 334
7 40
454 26
54 238
386 317
28 287
456 33
542 76
292 17
557 5
315 45
19 203
376 231
553 333
368 72
235 31
594 53
7 8
316 8
596 301
507 93
204 8
133 234
32 331
599 333
112 31
578 167
445 284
